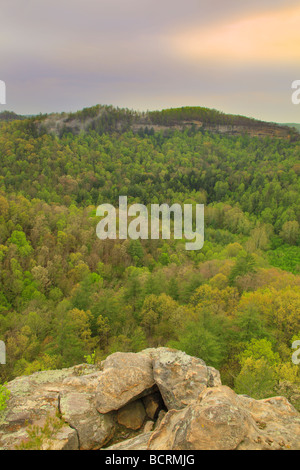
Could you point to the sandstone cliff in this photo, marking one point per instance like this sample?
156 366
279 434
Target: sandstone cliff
159 399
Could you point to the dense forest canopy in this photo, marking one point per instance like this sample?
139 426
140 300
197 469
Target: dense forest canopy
67 297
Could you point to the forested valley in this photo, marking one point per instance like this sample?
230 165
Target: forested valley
67 297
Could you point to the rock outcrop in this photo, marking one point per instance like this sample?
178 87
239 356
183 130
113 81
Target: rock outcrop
221 420
159 399
125 377
181 378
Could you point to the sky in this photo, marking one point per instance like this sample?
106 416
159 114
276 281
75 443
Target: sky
240 57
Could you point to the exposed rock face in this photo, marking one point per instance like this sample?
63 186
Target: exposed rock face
214 422
133 415
218 420
125 377
188 407
33 400
181 378
94 429
153 404
137 443
56 123
278 419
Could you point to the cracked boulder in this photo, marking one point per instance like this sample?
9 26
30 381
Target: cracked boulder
94 430
153 404
133 415
33 401
181 378
221 420
125 377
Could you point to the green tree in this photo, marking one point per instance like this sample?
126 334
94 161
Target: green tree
257 379
199 342
4 397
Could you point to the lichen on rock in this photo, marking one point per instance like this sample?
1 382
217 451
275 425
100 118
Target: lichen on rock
159 399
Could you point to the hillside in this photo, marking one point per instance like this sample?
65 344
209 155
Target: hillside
104 119
108 119
8 116
293 125
67 297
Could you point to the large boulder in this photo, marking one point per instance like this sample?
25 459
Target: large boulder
125 377
181 378
133 415
221 420
136 443
34 401
279 420
94 429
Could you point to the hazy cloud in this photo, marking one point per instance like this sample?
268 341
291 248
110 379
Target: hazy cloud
232 55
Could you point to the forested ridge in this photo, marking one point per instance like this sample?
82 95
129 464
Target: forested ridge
66 297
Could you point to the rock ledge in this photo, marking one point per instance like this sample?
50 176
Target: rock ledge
159 399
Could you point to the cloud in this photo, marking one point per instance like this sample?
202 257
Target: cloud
67 54
273 37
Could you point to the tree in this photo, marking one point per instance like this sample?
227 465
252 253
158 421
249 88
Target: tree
4 397
257 379
243 266
290 232
161 318
199 342
19 239
250 324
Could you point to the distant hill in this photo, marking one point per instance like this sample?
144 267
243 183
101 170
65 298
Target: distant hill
11 116
106 119
295 126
